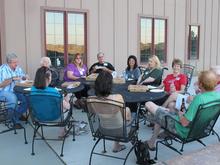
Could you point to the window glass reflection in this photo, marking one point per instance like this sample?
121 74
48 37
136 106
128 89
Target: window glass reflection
159 41
146 39
193 42
65 36
76 34
153 38
55 38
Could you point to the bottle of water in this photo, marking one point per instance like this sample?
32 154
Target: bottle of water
125 76
114 74
58 61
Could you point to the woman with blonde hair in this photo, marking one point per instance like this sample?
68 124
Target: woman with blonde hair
153 74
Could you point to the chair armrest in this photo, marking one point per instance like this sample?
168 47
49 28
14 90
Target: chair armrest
171 118
178 122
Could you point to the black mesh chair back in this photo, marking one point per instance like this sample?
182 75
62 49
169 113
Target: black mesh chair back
204 121
55 80
107 120
188 70
7 118
46 110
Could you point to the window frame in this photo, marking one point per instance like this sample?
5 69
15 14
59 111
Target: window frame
65 28
153 45
189 56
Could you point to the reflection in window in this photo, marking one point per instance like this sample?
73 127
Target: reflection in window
75 34
55 37
153 38
65 36
193 48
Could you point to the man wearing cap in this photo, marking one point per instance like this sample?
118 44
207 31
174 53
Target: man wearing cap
10 73
101 65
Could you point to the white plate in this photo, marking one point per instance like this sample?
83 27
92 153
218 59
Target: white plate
58 89
99 67
27 89
29 81
23 81
151 87
70 86
156 90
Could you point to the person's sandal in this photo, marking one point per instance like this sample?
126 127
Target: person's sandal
122 147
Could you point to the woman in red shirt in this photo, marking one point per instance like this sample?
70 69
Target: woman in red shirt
175 82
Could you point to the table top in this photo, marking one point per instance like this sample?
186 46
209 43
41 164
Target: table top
133 97
22 89
75 89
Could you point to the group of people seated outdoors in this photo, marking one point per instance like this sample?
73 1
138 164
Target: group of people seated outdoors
174 84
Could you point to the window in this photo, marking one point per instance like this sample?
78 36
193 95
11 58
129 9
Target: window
153 38
193 45
65 35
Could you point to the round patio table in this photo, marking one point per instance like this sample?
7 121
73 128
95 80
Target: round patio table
133 97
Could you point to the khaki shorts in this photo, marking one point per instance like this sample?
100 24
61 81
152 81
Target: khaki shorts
160 119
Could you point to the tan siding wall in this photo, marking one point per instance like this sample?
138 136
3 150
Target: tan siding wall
208 30
34 34
218 35
134 7
15 29
214 33
158 8
55 3
148 7
73 4
179 30
106 26
93 29
2 31
201 22
120 34
113 28
169 13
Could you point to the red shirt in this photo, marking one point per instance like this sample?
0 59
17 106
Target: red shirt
179 80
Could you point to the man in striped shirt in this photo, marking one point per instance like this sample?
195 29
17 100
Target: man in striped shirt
10 73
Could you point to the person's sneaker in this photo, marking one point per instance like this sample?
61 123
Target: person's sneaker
18 126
